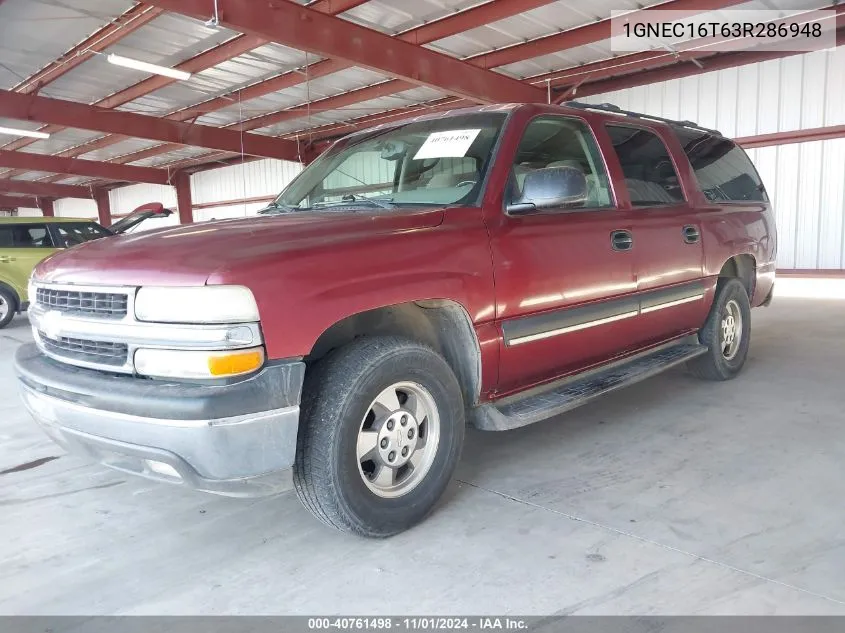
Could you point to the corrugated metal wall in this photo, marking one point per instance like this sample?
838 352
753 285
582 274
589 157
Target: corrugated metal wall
250 180
74 208
806 181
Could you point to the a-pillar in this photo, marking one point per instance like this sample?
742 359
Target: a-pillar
182 182
46 206
103 206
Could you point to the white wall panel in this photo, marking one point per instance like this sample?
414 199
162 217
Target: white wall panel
75 208
248 180
805 181
126 199
29 212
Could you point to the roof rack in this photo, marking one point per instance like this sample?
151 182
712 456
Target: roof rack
615 109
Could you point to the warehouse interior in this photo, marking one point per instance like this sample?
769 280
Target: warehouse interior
674 497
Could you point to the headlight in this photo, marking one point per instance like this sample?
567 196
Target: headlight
171 363
196 304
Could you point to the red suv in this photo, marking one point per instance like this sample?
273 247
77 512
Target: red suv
497 265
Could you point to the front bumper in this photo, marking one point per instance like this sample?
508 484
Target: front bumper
236 439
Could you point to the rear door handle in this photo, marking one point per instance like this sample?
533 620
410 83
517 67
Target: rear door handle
691 234
6 260
621 240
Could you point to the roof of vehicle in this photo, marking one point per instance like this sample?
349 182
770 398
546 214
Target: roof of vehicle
569 107
40 220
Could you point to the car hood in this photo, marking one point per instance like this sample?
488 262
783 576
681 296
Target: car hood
191 254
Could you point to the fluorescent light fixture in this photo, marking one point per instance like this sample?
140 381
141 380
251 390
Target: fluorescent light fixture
128 62
13 131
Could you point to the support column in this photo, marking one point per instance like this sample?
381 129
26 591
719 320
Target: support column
46 206
182 182
103 206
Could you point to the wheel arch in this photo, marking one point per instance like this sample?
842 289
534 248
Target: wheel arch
744 268
442 324
15 295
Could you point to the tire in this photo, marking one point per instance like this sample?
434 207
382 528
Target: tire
343 398
8 307
724 360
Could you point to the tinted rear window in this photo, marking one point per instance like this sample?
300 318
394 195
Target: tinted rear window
723 170
25 236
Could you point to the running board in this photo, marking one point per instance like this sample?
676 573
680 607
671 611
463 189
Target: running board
550 400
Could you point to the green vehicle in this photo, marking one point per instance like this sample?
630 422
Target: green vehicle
25 241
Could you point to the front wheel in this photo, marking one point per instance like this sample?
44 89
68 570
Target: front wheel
380 435
726 333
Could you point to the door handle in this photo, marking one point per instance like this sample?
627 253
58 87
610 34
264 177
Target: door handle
621 240
691 234
6 260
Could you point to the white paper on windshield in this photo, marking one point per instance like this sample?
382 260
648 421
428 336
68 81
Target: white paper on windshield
448 144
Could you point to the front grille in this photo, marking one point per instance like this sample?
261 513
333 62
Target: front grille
100 304
99 352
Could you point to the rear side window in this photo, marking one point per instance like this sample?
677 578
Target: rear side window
649 172
25 236
723 170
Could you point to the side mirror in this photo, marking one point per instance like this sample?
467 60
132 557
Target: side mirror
551 187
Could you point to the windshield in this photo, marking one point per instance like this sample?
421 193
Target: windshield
71 234
435 162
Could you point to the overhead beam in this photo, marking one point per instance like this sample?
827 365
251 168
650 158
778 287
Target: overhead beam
689 69
229 49
129 22
586 34
97 119
299 27
646 60
13 202
79 167
335 6
446 26
41 189
572 38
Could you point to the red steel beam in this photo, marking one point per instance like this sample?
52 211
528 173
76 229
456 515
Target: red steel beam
13 202
688 69
86 117
48 209
205 60
183 198
78 167
334 7
646 60
299 27
101 196
438 29
129 22
332 130
572 38
587 34
41 189
792 136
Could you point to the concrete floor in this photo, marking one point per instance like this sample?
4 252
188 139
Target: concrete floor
671 497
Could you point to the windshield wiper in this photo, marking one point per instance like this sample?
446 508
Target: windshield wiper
354 197
275 208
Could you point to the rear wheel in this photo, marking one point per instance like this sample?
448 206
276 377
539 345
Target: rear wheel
726 333
380 435
8 307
